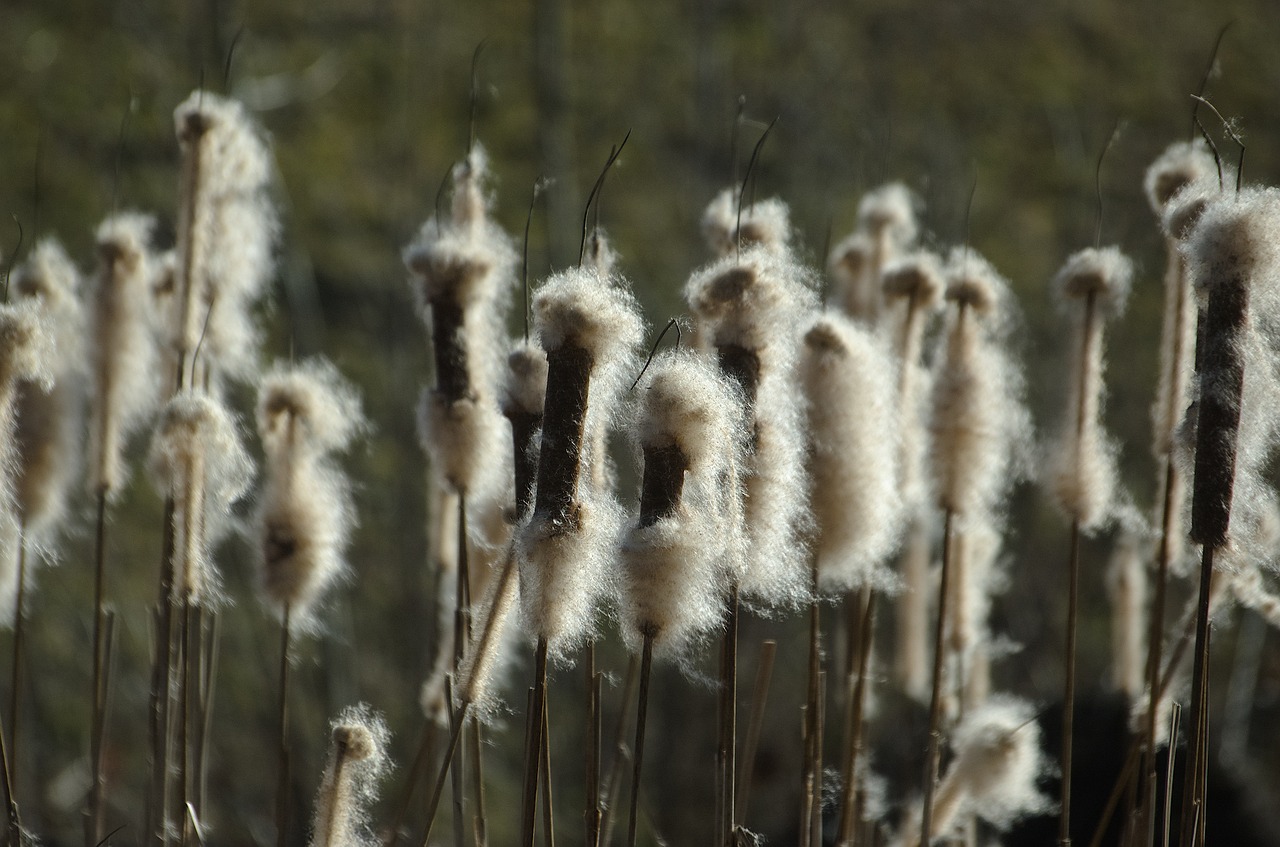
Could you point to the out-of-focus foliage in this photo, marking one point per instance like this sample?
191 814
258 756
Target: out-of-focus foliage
367 105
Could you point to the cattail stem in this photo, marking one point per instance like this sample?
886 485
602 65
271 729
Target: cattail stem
477 776
614 784
533 747
420 759
935 698
456 771
161 678
455 734
1069 687
210 647
1155 637
1192 793
591 812
15 682
11 802
755 726
282 752
849 811
727 752
544 758
642 711
97 788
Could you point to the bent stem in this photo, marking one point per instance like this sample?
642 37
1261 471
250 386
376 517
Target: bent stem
621 754
642 710
456 723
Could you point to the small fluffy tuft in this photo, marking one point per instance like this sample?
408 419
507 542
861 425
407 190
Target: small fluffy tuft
1183 213
1180 165
1104 273
916 277
581 308
313 395
357 763
766 223
525 387
998 761
26 345
847 377
889 212
1235 237
974 283
197 459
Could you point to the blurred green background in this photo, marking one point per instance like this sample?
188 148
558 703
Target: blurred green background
367 104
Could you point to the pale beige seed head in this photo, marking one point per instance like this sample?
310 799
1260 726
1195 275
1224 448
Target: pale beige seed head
729 229
357 763
1180 165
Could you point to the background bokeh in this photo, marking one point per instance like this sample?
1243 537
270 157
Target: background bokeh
367 103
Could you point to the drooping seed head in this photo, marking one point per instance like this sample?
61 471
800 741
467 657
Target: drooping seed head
1180 165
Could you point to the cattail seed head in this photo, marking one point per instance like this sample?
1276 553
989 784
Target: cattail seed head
357 762
304 515
226 229
197 460
126 379
1180 165
998 762
978 423
26 347
915 277
751 309
888 212
1234 265
766 223
847 378
1127 591
1082 457
688 536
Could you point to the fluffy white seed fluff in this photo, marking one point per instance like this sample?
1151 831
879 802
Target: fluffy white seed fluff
1234 240
466 262
854 428
888 213
525 388
226 229
974 581
491 651
914 636
978 424
10 549
49 418
125 375
766 223
1181 164
1127 591
758 302
197 459
672 571
1082 459
851 265
913 285
304 514
26 350
563 575
357 763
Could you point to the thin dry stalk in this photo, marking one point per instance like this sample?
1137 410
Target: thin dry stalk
850 812
282 751
544 756
935 698
591 812
455 735
642 711
812 746
456 726
727 752
533 746
1069 687
613 786
755 726
15 681
97 787
477 776
420 759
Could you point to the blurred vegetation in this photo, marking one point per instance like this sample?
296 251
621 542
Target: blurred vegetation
367 103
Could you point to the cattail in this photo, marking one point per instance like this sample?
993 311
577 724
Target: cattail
854 427
304 514
978 423
886 226
462 281
125 374
590 328
1234 260
26 350
48 419
1082 459
751 309
524 394
688 534
975 579
1180 165
994 773
197 459
1127 591
729 225
912 287
226 228
357 762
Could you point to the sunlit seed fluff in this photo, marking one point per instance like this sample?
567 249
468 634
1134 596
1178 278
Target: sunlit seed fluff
1235 265
978 423
1181 164
26 349
750 309
564 567
357 763
304 514
491 652
462 279
49 418
731 223
975 581
851 265
126 378
888 212
673 563
996 766
854 426
1127 591
1092 285
226 228
197 459
912 285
